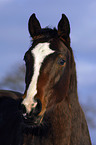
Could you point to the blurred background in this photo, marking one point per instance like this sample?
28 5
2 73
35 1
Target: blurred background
15 41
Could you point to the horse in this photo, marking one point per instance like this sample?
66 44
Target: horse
51 111
10 118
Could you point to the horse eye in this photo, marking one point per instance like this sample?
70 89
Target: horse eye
61 61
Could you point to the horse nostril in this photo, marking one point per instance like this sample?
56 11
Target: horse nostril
38 108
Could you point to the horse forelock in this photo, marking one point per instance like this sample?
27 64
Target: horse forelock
48 34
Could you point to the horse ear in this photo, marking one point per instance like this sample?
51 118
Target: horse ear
64 27
33 26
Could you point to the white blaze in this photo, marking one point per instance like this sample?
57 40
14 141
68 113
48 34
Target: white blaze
39 52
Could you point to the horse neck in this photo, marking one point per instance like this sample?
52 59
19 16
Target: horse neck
73 79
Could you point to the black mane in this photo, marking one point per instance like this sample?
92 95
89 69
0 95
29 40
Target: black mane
46 34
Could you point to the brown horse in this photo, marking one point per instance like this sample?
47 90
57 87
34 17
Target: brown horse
51 111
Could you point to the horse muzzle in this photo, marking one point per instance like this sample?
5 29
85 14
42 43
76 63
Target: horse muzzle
34 117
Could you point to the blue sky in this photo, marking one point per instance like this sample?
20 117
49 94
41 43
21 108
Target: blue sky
15 39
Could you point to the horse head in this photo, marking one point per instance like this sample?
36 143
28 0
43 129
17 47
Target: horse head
50 69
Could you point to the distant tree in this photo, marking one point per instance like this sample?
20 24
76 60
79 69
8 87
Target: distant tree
14 80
